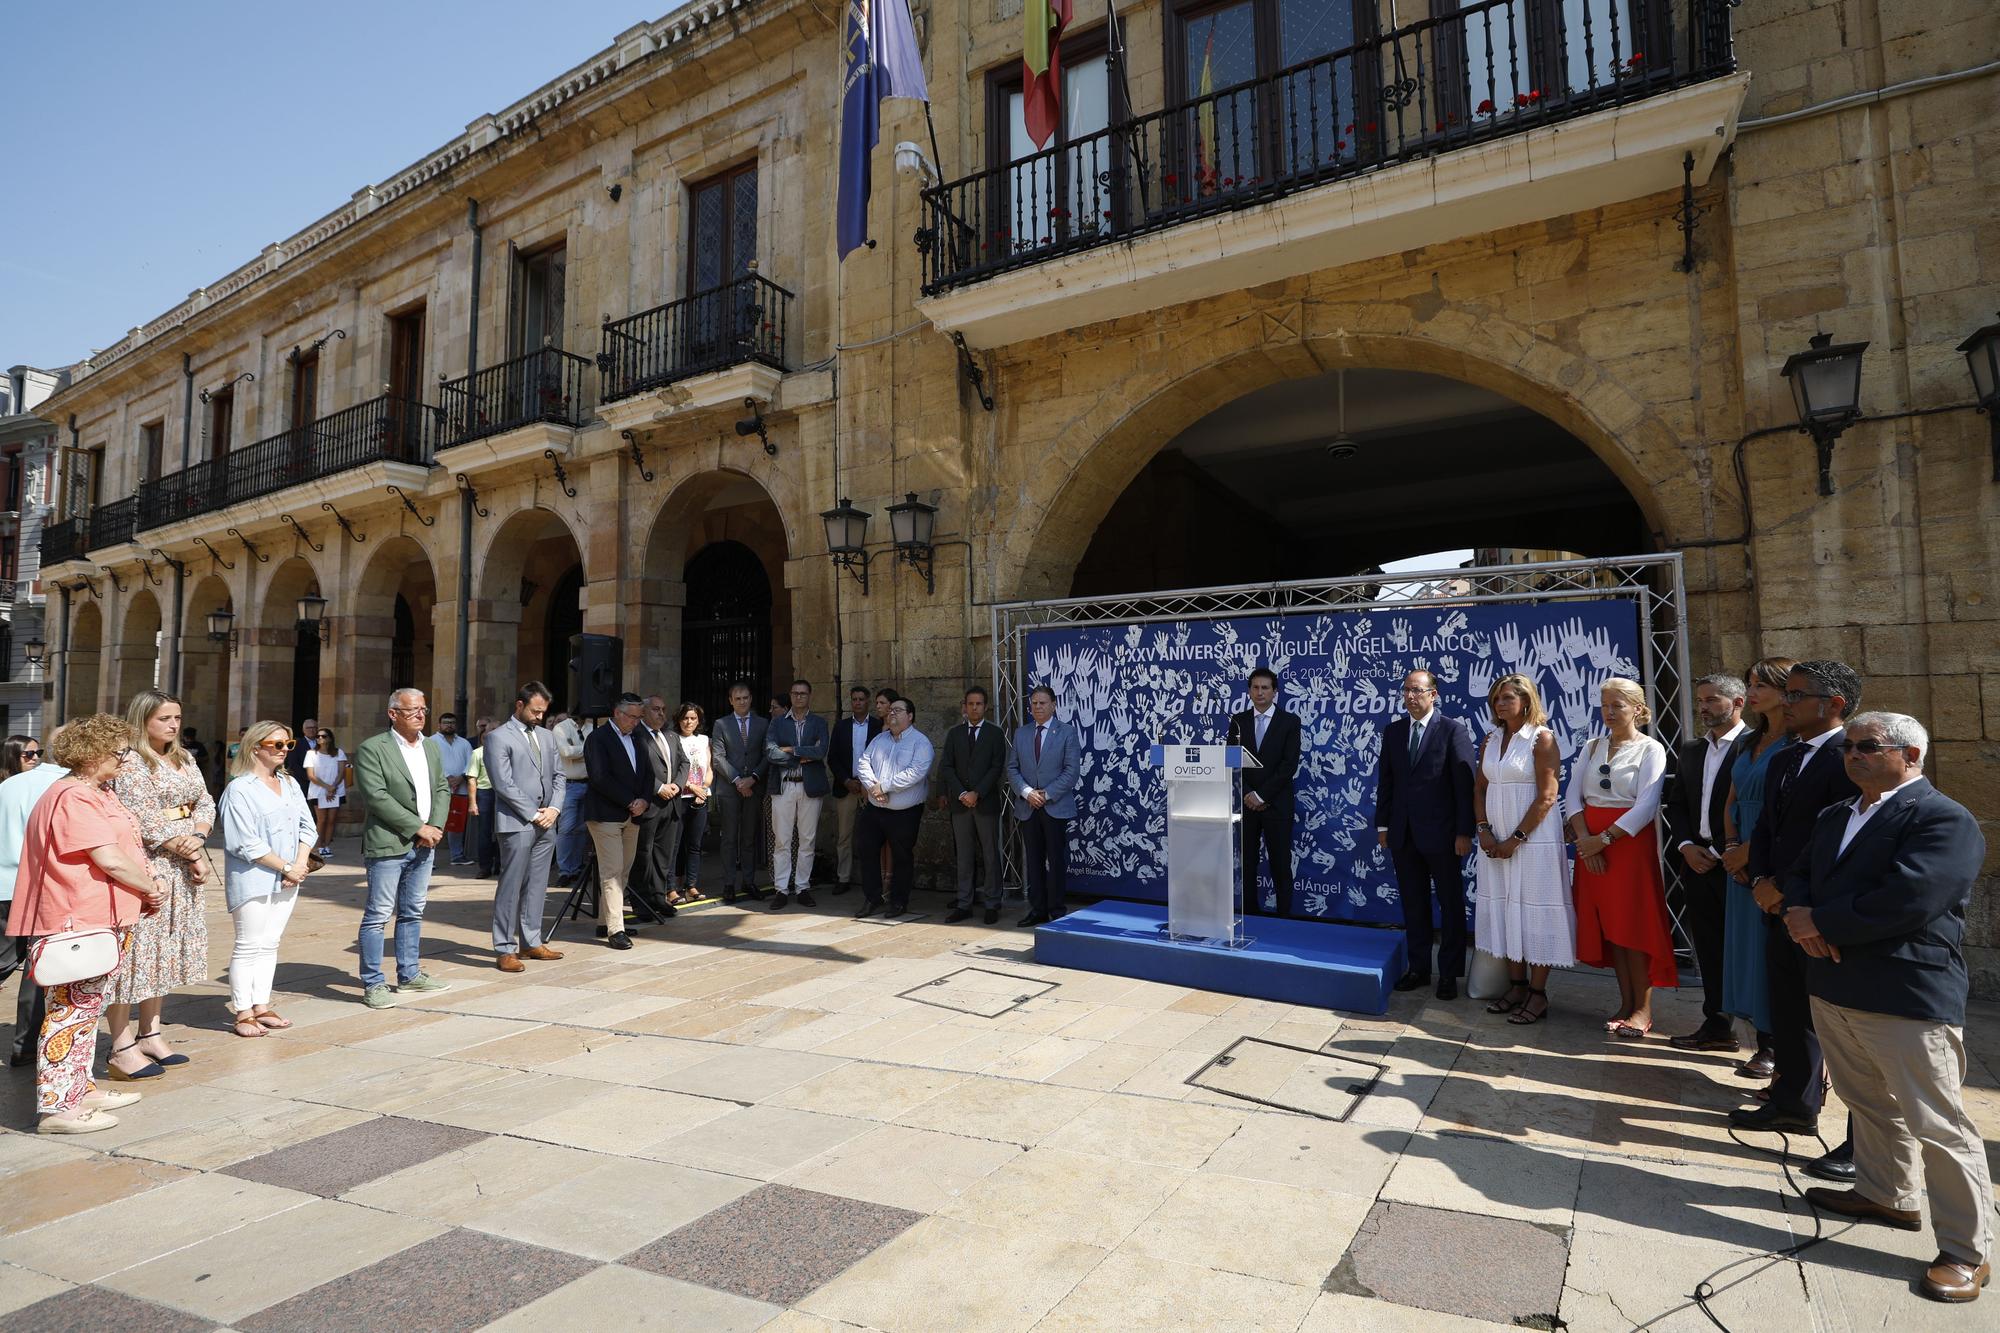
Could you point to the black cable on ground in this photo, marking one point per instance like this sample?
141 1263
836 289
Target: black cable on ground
1705 1288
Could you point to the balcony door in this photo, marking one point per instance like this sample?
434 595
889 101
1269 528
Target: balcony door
541 279
406 384
221 421
1060 190
1526 56
722 246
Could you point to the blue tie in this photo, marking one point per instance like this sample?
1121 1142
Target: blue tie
1416 741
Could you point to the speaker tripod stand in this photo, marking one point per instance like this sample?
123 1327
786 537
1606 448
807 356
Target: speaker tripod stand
586 895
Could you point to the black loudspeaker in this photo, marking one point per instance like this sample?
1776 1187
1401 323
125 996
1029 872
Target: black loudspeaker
596 674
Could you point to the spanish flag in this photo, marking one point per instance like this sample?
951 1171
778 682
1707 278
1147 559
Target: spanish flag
1041 60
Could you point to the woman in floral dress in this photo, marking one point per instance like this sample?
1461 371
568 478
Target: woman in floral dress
160 783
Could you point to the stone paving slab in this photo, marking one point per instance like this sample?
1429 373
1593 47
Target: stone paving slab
335 1163
775 1244
1497 1269
94 1310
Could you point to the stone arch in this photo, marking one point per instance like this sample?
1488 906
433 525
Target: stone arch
85 651
207 667
389 632
1100 448
138 655
718 506
284 663
529 586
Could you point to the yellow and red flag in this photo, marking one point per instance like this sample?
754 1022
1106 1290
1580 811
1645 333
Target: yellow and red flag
1205 171
1041 60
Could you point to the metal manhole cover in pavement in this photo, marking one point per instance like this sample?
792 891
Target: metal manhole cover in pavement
976 990
1288 1078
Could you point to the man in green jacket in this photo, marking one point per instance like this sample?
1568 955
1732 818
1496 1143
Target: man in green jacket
401 776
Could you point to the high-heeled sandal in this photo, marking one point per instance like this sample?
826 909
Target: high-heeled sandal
1522 1018
1507 1004
151 1070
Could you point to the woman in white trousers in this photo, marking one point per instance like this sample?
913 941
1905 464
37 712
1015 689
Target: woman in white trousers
269 837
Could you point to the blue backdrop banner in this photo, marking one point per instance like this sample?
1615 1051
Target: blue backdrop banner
1127 686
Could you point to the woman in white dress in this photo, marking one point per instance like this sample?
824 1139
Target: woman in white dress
327 767
1524 913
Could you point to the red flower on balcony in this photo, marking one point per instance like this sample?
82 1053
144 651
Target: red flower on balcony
1173 178
1520 99
1340 145
1228 180
1638 59
1486 107
1534 94
1349 129
1369 127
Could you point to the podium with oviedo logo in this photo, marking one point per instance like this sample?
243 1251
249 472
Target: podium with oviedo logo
1204 842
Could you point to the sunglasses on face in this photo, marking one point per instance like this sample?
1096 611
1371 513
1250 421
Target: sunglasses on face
276 745
1865 747
31 754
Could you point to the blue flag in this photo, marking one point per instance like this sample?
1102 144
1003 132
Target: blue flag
882 61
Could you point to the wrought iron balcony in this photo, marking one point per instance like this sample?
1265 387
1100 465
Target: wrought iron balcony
9 590
743 320
546 384
381 430
62 541
1490 69
113 524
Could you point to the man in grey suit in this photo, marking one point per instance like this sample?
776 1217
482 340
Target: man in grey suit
737 749
525 769
1042 772
975 762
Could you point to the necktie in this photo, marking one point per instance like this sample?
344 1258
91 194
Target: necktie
1038 741
743 726
1263 723
1416 740
974 729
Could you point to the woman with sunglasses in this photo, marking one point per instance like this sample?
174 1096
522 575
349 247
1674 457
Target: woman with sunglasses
268 839
83 868
18 754
1621 903
1524 913
329 770
161 785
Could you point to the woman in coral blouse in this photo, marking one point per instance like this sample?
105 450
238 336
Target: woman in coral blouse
83 867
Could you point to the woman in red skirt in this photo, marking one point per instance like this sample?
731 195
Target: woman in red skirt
1621 903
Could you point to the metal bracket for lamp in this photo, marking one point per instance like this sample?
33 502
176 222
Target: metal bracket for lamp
254 553
970 372
562 477
94 593
1686 214
146 568
213 554
179 567
410 505
295 355
245 378
471 495
856 563
112 574
638 456
345 526
304 536
754 425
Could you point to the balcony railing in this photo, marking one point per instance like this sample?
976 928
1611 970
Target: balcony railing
546 384
740 321
385 429
62 541
1492 68
113 524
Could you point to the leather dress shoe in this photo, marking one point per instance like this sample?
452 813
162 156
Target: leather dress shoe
1837 1166
1447 988
839 889
603 932
1848 1203
1774 1118
778 903
992 915
541 953
507 962
1031 920
1761 1065
956 915
806 899
1413 980
868 910
1706 1038
621 940
1955 1280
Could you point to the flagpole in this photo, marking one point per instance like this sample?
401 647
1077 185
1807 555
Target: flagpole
1115 53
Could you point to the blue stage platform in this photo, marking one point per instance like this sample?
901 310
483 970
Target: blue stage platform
1315 963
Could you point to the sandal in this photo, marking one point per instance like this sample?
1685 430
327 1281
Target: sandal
1631 1032
1522 1017
1507 1004
151 1069
167 1061
249 1027
271 1019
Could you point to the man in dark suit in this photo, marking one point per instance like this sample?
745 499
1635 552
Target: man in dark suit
1271 735
969 777
1802 782
1877 905
1697 790
1044 769
1424 820
851 735
621 790
660 826
736 747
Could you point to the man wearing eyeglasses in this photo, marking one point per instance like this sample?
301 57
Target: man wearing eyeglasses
1877 906
1802 782
401 777
1424 820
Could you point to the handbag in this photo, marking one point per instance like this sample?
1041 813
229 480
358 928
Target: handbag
73 955
454 821
1487 978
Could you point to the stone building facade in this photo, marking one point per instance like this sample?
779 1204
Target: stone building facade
1460 238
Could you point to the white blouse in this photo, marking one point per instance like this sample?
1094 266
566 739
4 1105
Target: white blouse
1636 772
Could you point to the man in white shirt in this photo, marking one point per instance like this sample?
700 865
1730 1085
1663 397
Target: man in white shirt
895 773
456 752
572 838
18 795
1697 791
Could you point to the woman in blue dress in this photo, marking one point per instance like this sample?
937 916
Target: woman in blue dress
1745 992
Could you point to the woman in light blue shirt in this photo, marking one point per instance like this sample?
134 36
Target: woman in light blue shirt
268 835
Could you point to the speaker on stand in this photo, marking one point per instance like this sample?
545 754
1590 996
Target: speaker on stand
596 674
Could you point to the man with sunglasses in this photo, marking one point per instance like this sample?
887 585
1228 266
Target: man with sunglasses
401 776
1877 906
1803 781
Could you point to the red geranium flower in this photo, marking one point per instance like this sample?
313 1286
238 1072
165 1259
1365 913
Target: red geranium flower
1486 107
1638 58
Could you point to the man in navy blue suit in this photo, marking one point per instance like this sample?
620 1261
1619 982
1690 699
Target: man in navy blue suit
1271 735
1877 906
1424 819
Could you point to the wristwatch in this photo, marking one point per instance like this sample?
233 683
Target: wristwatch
1520 835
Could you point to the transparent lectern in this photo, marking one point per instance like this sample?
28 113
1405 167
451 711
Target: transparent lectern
1204 841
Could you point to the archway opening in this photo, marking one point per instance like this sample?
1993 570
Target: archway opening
725 625
283 650
86 654
531 592
207 665
388 634
139 648
1346 472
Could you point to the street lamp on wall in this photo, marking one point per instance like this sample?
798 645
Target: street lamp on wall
222 628
312 612
847 539
911 526
1982 358
35 652
1826 390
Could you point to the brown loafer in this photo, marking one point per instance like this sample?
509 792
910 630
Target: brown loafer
507 962
1849 1203
1955 1280
542 953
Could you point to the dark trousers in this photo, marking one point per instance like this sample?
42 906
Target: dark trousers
1704 924
977 831
1270 829
1796 1045
741 819
1423 878
875 826
653 862
687 847
1045 840
30 1003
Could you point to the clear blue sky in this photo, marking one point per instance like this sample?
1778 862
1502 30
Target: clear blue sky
151 148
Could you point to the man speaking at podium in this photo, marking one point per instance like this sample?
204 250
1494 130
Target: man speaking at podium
1423 819
1271 735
